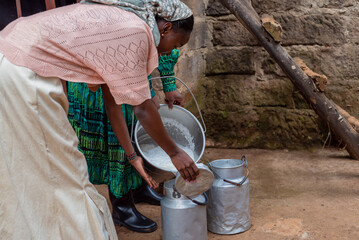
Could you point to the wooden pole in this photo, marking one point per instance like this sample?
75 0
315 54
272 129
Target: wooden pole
326 110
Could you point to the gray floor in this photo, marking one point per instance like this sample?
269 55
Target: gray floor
294 195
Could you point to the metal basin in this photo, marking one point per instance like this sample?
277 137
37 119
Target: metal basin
184 129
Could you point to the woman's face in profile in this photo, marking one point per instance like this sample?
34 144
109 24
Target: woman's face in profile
171 39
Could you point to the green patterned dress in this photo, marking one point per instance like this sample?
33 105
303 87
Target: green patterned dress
106 160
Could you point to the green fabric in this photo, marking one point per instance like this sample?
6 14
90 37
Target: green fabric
166 67
170 10
153 93
106 160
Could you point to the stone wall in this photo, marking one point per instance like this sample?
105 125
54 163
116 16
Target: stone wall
246 100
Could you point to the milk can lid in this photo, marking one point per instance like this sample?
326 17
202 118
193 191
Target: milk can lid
204 181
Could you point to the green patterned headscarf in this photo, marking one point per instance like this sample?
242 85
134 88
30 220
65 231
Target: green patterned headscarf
170 10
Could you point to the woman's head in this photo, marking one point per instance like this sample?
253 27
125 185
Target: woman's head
173 34
175 18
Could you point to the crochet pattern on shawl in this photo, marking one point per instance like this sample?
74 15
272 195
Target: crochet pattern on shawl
89 43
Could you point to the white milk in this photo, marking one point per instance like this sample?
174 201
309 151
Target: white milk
173 126
159 158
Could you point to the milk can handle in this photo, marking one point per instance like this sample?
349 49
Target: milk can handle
231 182
194 201
200 203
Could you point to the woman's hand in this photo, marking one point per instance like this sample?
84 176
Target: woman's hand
185 165
174 97
138 164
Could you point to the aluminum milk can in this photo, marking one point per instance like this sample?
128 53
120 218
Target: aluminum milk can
228 198
183 218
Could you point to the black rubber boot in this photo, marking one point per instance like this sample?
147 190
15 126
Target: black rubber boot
124 213
147 195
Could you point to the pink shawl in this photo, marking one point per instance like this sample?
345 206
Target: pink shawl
95 44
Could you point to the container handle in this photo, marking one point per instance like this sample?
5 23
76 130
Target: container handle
195 100
200 203
195 201
231 182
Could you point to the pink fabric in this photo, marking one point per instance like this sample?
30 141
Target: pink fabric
94 44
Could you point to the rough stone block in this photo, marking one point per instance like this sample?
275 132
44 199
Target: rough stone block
340 62
289 128
299 100
299 5
200 36
312 29
215 8
226 92
275 92
197 7
352 29
230 92
265 128
345 94
190 67
230 61
269 66
334 3
232 33
279 5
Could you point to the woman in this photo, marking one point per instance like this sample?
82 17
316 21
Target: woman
106 159
46 193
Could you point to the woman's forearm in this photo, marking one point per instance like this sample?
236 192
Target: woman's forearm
150 119
117 120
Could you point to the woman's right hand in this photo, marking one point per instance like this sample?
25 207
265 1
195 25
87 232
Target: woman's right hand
138 164
185 165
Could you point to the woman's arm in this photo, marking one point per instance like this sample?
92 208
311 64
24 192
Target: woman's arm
150 119
166 67
117 120
119 127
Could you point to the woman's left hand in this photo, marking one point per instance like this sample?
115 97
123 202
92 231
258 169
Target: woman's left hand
138 164
175 98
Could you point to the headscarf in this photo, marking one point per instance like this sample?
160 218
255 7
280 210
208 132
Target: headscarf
170 10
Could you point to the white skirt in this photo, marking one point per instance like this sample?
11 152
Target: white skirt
45 192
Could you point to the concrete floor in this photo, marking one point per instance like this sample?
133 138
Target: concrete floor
294 195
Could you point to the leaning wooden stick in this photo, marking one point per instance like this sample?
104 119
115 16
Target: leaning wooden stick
326 110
